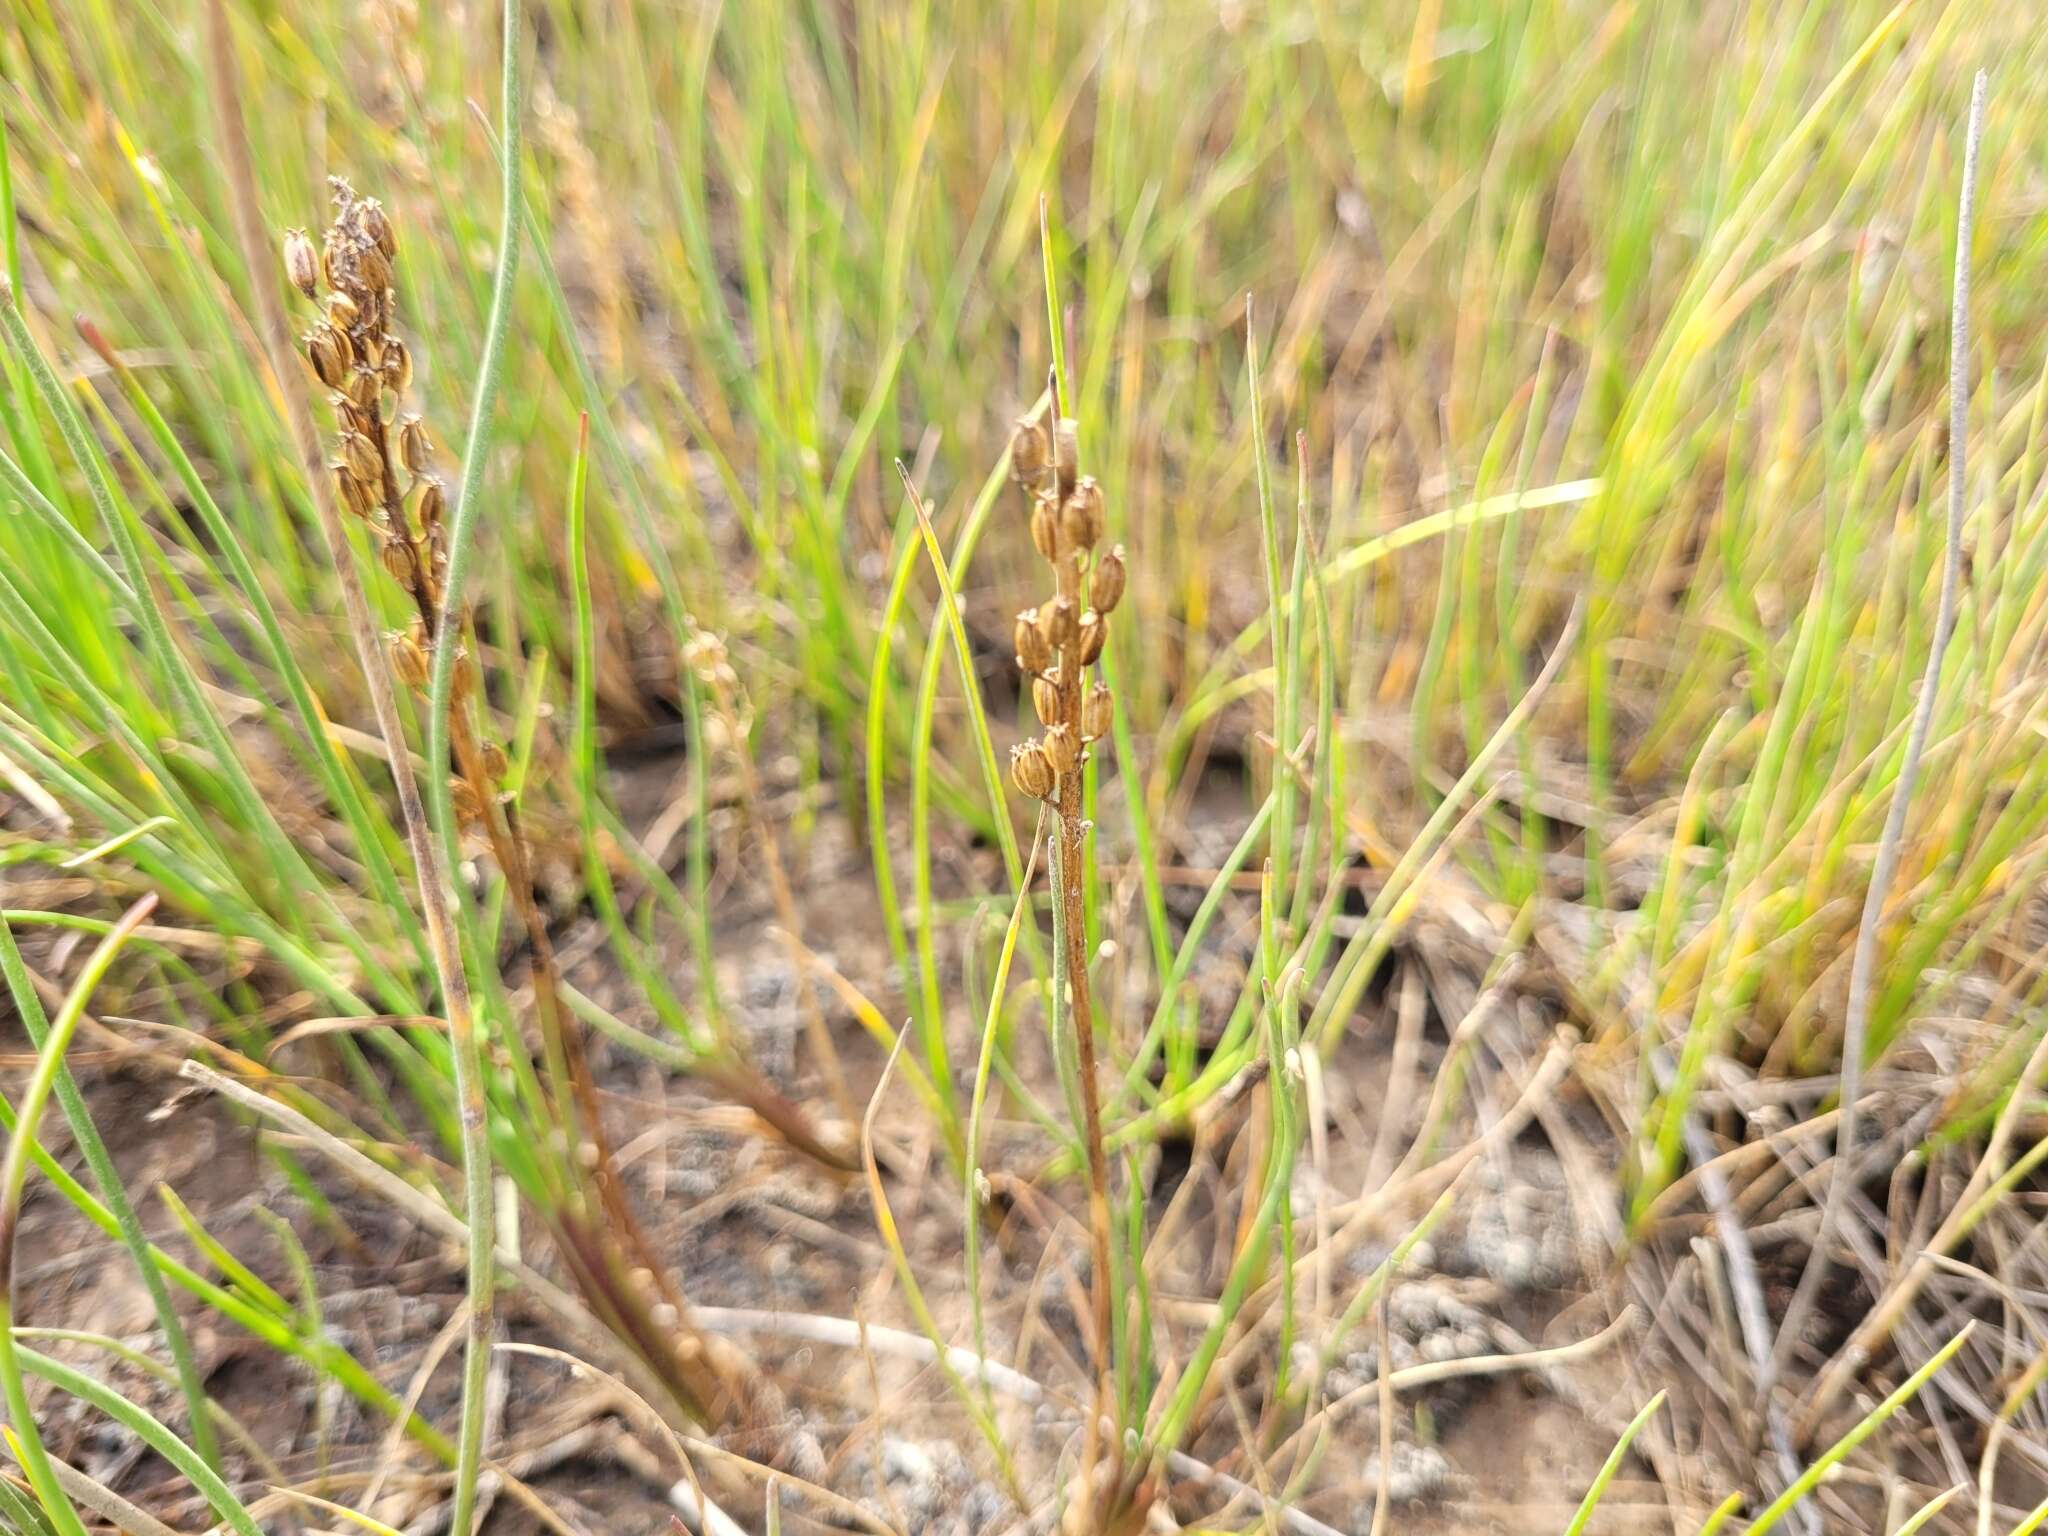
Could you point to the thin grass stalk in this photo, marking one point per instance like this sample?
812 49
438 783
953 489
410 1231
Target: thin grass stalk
1863 967
326 757
435 879
991 1027
287 865
231 1510
29 1007
1281 615
469 1076
1862 1430
1926 1512
321 1355
1609 1467
17 1515
13 1175
913 1293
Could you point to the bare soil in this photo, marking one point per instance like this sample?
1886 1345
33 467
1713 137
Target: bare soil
1519 1263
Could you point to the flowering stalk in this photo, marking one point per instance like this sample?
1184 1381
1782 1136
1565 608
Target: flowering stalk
382 472
1057 643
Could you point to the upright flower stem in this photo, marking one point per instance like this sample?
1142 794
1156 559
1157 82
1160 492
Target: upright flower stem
1057 642
1072 833
435 880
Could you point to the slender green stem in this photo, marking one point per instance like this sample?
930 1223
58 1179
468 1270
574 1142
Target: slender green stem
13 1175
467 1052
108 1181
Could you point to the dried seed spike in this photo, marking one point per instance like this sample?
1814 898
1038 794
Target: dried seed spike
1081 513
1089 636
1045 529
1098 712
1045 697
1033 654
1066 450
1031 769
495 763
341 310
301 262
1106 581
364 388
1029 451
1063 747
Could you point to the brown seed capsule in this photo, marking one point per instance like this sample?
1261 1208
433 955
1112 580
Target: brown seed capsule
415 448
362 458
398 363
301 262
1060 622
1066 449
1031 769
1106 581
341 310
1063 747
408 659
371 351
1089 636
354 495
1029 451
378 227
1045 529
396 556
373 269
1097 713
1081 513
364 388
494 760
1045 696
353 417
327 350
1033 654
432 504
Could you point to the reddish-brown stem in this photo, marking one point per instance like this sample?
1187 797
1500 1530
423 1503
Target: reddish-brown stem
1081 1013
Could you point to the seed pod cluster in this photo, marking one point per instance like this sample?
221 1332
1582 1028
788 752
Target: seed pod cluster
1058 639
383 457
